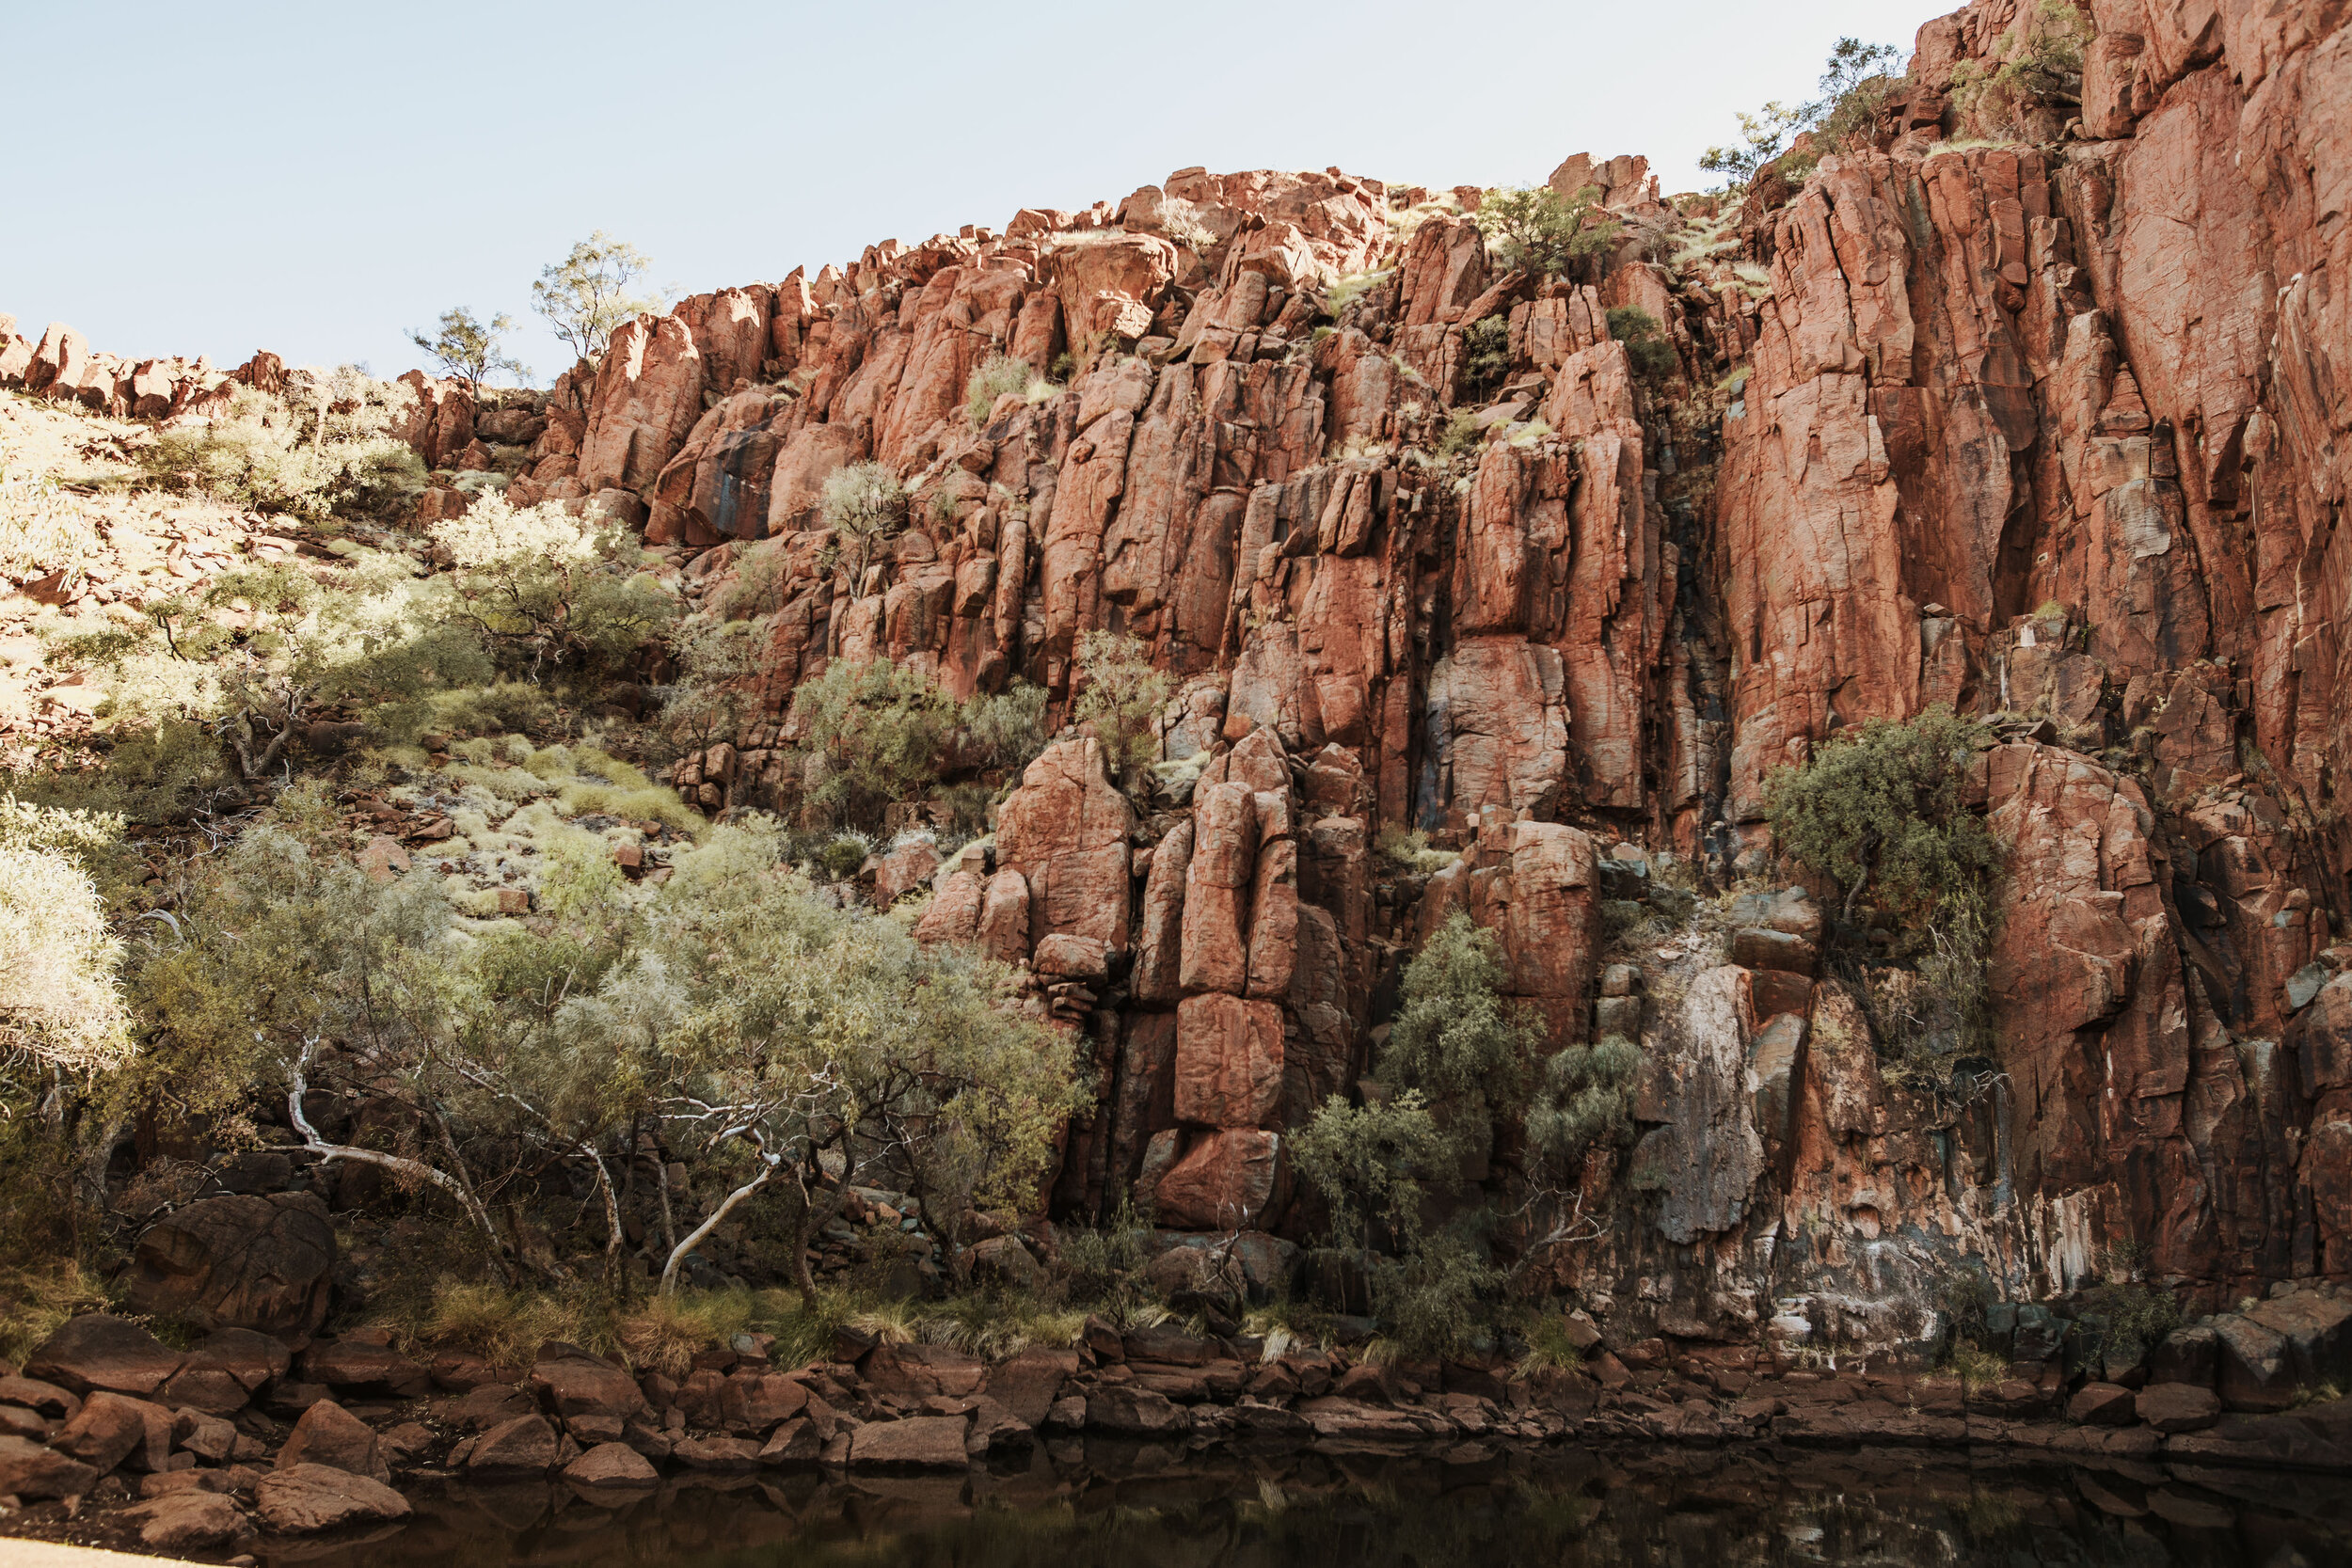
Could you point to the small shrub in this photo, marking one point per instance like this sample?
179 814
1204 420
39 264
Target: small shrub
1537 230
1407 850
1486 354
1428 1300
1463 433
319 449
1345 291
1006 729
1549 1346
1647 345
998 374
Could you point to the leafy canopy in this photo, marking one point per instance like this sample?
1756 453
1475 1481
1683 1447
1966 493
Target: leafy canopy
1121 698
1534 228
586 296
467 348
1457 1039
1878 809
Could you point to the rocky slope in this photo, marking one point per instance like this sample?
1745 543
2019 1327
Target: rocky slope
2043 419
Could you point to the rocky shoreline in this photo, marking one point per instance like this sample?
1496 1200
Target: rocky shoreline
112 1437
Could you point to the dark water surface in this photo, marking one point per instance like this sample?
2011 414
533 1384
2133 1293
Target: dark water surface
1141 1507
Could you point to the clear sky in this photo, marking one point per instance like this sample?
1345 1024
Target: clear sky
313 178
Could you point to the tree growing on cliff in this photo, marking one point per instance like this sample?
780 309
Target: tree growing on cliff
1122 697
863 502
1880 810
1853 86
1533 229
1647 348
1458 1040
468 348
587 295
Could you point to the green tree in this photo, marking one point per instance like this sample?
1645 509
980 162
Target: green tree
1122 696
1853 87
874 733
1762 136
1647 348
826 1047
587 295
1534 228
468 348
862 502
1457 1039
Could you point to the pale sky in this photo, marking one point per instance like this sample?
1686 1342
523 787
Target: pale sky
314 179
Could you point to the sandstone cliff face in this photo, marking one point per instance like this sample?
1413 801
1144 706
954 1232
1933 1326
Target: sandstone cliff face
2050 431
2053 429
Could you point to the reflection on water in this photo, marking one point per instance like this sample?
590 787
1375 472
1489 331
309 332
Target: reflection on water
1129 1507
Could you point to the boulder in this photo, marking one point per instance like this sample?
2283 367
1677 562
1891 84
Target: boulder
98 1350
186 1520
2101 1405
2318 1333
1137 1412
239 1262
1227 1180
918 1443
1030 1383
717 1453
33 1394
331 1435
1229 1061
574 1385
1003 1260
2257 1372
2177 1406
204 1435
30 1470
304 1499
612 1465
920 1370
795 1443
368 1368
527 1443
114 1429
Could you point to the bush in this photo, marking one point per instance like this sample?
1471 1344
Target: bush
320 449
874 733
1457 1039
1486 354
1463 433
1005 729
61 992
1878 810
998 374
1584 1100
1122 697
1647 345
1534 228
551 592
863 502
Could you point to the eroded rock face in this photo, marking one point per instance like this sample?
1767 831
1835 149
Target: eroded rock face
2051 431
260 1263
